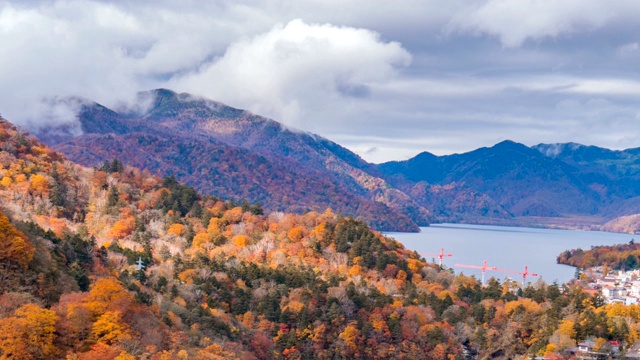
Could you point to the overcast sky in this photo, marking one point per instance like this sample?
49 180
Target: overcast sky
386 79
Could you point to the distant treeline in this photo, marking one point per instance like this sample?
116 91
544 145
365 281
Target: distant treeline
617 257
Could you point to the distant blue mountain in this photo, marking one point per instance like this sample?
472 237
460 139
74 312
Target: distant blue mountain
549 180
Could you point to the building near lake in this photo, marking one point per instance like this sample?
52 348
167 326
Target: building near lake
620 287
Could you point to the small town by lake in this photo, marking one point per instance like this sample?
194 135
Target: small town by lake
507 248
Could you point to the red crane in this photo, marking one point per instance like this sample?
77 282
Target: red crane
484 268
524 274
440 255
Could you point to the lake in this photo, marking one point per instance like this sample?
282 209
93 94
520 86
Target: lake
509 248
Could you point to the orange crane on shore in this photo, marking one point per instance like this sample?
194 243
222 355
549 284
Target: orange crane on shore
484 268
524 274
439 255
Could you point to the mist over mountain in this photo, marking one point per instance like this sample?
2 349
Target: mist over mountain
236 154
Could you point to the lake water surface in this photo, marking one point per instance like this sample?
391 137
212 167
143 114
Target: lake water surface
509 248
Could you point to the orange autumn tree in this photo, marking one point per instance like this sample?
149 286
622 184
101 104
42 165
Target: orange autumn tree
122 228
16 251
296 234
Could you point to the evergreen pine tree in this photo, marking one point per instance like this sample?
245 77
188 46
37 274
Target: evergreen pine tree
113 196
116 166
58 190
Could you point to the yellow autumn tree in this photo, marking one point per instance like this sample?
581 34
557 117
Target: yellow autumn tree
215 227
200 239
240 241
563 337
16 251
14 245
356 270
109 328
415 265
187 276
29 334
39 184
6 181
350 336
107 294
528 304
176 230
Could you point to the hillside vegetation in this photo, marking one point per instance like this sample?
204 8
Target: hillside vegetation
617 257
232 153
222 280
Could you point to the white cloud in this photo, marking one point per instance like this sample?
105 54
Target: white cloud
296 69
103 51
630 48
399 77
515 21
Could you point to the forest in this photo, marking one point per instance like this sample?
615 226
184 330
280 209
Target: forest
114 262
616 257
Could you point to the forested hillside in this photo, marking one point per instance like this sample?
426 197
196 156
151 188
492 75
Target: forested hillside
220 279
235 154
616 257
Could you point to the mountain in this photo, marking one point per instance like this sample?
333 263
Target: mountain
235 154
118 263
614 172
521 180
121 264
547 180
239 155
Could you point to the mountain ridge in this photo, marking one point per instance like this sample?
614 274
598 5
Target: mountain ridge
548 180
300 171
245 156
117 263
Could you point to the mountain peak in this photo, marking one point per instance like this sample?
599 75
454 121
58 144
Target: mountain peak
508 144
235 154
162 96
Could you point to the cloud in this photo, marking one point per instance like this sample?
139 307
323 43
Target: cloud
515 21
298 68
104 51
397 77
630 48
55 112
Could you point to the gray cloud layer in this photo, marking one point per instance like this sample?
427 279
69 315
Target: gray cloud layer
386 79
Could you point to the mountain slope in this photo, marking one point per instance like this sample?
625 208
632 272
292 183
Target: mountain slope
117 263
614 173
122 264
230 152
521 180
236 154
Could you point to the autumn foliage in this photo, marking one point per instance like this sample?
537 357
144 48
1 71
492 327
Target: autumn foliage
106 264
15 248
622 256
